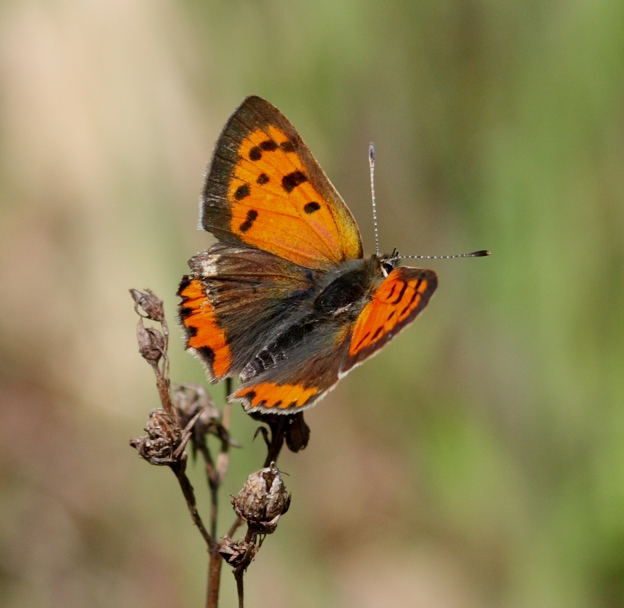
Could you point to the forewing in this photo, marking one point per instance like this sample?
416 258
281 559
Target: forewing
234 300
398 300
264 188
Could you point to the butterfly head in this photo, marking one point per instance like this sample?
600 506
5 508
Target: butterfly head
388 262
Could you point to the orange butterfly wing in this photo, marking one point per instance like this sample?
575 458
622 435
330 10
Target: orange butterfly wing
265 189
234 300
395 304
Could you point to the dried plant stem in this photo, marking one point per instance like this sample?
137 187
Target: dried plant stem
215 476
163 384
239 576
189 415
189 495
214 577
223 460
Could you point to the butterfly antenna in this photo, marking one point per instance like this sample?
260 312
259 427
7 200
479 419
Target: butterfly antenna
371 164
475 254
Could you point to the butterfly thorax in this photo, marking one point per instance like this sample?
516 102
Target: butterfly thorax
350 286
340 296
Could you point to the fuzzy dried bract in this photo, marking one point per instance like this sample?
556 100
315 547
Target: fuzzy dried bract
164 436
262 500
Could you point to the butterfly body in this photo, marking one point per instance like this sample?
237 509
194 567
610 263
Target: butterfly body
285 300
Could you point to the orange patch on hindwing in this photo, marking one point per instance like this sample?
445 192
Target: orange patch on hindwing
274 205
203 331
280 396
394 302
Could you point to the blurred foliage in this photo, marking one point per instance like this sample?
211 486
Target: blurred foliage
478 461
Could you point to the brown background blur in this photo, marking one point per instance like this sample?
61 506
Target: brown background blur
479 460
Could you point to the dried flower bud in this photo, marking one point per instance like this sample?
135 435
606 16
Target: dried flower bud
263 500
151 343
151 305
237 553
164 435
189 400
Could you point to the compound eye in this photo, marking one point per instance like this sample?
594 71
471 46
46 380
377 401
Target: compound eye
387 268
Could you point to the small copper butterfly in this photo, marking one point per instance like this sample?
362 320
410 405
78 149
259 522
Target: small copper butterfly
285 299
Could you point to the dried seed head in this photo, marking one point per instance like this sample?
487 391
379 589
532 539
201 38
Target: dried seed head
189 400
263 500
151 343
237 553
151 305
164 435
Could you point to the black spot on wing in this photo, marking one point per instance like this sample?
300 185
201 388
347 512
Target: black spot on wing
185 312
362 340
242 192
252 214
292 180
207 354
378 332
287 146
184 283
312 207
399 297
406 309
263 178
269 145
255 153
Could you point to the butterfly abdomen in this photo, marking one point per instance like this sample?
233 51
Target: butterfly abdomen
278 350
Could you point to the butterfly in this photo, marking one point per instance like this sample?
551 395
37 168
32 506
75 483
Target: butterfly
286 299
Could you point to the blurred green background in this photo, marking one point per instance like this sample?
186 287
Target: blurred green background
479 460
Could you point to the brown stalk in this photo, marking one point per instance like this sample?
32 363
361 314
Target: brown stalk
188 418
